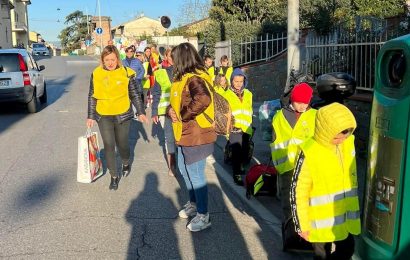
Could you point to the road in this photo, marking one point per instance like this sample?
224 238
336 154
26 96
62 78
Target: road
46 214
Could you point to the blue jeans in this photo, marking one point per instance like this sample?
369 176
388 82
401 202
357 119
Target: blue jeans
195 181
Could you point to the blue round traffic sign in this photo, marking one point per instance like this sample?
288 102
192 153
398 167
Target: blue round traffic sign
99 30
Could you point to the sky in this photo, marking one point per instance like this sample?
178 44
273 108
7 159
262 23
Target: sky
47 16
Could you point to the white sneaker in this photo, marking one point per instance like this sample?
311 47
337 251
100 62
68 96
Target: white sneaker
189 210
199 222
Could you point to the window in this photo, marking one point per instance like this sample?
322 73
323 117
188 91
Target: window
9 62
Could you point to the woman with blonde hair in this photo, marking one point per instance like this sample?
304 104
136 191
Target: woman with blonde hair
112 89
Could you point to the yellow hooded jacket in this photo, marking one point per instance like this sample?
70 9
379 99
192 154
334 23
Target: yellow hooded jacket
324 185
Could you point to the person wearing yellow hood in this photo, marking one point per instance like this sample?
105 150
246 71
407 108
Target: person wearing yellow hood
112 89
191 111
324 197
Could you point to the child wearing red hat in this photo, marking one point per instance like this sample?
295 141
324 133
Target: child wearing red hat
292 125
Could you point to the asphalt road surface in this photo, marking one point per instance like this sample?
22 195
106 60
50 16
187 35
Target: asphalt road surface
46 214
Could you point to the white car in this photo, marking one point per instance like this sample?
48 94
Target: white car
21 79
39 49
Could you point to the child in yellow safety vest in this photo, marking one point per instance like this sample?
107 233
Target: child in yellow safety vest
161 93
209 66
225 69
324 188
240 100
220 84
291 126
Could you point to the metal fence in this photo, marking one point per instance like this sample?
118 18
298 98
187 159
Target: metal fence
260 48
355 54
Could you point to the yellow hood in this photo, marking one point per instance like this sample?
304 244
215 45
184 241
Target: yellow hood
331 120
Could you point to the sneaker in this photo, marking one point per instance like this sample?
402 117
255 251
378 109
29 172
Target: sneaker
125 170
189 210
199 222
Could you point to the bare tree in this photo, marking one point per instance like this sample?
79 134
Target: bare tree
193 10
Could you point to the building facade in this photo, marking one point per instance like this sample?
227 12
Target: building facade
140 26
5 24
19 23
100 40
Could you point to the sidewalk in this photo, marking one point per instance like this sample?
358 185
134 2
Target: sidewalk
267 207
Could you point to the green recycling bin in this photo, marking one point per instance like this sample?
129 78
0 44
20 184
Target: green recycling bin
386 214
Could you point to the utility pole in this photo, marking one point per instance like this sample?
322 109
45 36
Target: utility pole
99 14
293 36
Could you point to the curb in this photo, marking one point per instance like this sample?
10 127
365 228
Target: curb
268 218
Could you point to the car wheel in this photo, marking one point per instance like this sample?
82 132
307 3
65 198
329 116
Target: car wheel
33 105
43 98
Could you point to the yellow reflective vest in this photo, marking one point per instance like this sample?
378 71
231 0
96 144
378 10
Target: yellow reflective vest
241 110
145 82
161 76
176 91
227 74
111 90
211 72
324 192
285 147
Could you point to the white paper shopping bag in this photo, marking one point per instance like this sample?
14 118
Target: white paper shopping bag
89 166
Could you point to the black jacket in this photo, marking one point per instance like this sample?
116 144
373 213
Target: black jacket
134 92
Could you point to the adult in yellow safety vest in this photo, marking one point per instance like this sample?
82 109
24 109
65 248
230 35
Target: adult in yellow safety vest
160 102
240 100
112 89
191 107
291 125
324 196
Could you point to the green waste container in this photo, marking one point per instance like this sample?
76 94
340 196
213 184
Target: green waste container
386 215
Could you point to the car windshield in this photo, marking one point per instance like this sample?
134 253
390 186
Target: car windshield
9 62
37 45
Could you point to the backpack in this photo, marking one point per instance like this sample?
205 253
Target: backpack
261 178
223 119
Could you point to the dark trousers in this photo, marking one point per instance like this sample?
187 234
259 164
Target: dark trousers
114 134
145 92
344 249
284 181
239 143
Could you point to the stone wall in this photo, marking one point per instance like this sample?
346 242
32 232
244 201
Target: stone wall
267 79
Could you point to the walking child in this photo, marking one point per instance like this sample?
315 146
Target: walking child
240 100
292 125
209 66
324 195
161 100
225 69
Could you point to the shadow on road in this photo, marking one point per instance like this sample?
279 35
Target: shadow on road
36 194
152 217
56 88
137 131
10 113
157 132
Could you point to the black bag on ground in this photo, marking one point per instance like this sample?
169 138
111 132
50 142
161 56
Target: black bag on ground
291 241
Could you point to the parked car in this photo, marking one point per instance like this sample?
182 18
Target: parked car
21 79
39 49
